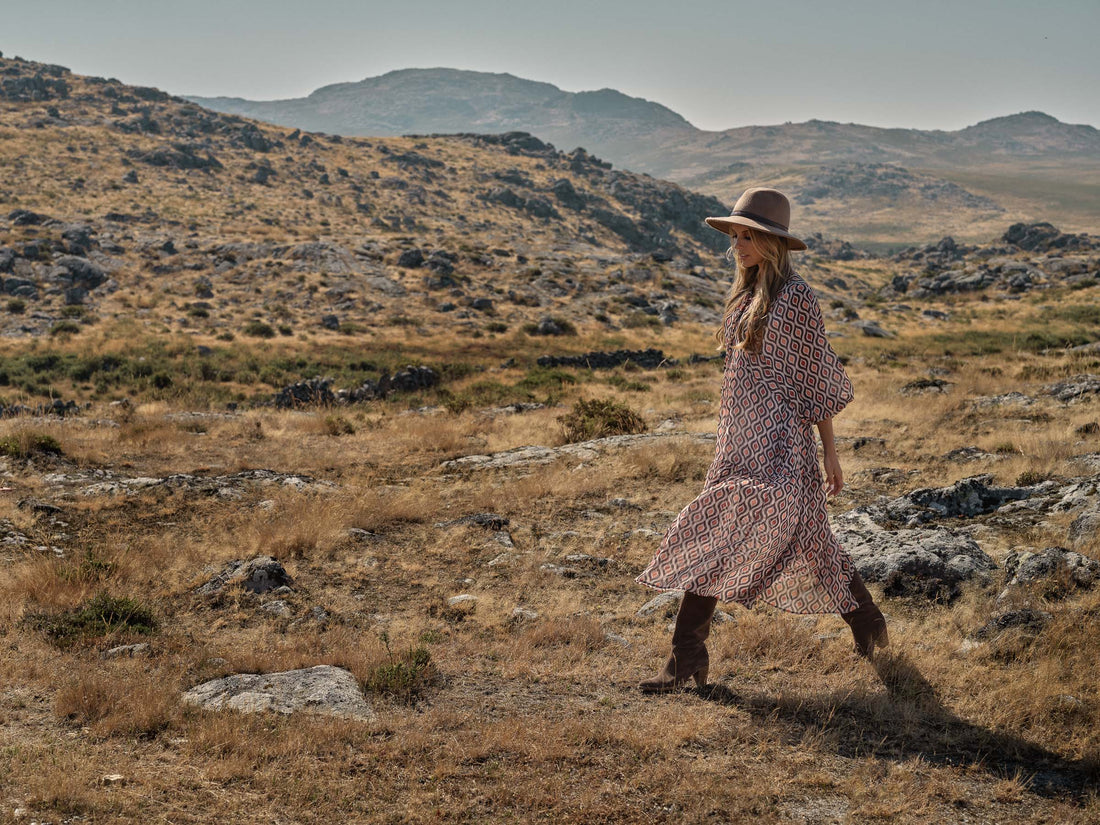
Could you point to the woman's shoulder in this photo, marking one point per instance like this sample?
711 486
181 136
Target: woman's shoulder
796 292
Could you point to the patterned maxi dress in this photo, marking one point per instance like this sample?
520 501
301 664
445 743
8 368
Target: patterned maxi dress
759 530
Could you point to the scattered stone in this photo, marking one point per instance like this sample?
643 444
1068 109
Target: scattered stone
873 330
1026 620
259 575
359 534
411 259
563 571
1086 527
1017 399
1056 564
490 521
722 617
615 638
968 454
524 614
664 605
322 689
128 651
462 600
647 359
112 779
966 498
925 385
1074 389
312 392
589 561
278 608
924 563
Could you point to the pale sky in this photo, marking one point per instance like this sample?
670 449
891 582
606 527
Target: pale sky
928 64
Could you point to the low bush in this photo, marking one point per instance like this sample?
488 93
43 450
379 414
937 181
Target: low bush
28 444
403 676
259 329
101 615
598 419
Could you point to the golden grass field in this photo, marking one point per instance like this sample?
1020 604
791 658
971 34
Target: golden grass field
485 715
534 720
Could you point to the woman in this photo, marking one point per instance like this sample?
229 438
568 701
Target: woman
759 530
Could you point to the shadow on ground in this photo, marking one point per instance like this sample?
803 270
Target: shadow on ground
910 720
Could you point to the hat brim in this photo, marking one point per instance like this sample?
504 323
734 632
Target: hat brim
723 224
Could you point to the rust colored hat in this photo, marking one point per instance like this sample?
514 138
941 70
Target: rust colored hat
762 209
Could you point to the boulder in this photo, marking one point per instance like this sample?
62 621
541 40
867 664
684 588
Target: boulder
873 330
1086 527
1026 620
664 605
965 498
913 562
259 575
1075 388
323 689
411 259
1024 567
82 272
305 393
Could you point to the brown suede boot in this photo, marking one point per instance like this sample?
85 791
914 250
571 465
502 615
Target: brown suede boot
867 622
689 652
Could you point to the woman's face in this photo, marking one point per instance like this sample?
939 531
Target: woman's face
741 241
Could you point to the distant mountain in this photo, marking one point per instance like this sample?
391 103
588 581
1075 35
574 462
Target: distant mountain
425 101
972 182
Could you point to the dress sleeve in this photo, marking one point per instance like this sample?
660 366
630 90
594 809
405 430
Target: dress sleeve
797 353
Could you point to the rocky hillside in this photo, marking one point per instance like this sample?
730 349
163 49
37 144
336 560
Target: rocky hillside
126 201
1022 167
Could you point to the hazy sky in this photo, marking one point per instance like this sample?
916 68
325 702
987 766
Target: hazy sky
932 64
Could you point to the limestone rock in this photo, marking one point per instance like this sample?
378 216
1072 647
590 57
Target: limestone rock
1026 620
1024 567
930 563
259 575
322 689
664 605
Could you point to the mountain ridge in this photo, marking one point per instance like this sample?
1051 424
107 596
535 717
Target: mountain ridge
1025 166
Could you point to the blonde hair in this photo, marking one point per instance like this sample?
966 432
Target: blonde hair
762 282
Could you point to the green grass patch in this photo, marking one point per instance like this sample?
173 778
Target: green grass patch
27 444
100 616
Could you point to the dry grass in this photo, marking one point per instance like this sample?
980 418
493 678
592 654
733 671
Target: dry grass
486 714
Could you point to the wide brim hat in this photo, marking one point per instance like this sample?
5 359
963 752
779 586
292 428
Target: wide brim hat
762 209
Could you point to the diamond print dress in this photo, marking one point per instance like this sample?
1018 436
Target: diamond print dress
759 530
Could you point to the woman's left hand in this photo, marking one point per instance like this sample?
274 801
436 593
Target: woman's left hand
834 476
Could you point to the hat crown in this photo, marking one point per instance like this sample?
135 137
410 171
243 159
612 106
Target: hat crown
769 204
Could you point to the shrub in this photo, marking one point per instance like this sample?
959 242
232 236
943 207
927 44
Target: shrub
27 444
99 616
597 419
338 425
65 328
636 320
16 306
259 329
404 676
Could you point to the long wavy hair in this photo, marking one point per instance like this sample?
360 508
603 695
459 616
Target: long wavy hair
762 282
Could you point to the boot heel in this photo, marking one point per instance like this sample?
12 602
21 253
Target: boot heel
701 677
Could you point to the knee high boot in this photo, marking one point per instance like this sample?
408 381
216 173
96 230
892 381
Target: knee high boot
866 621
689 652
